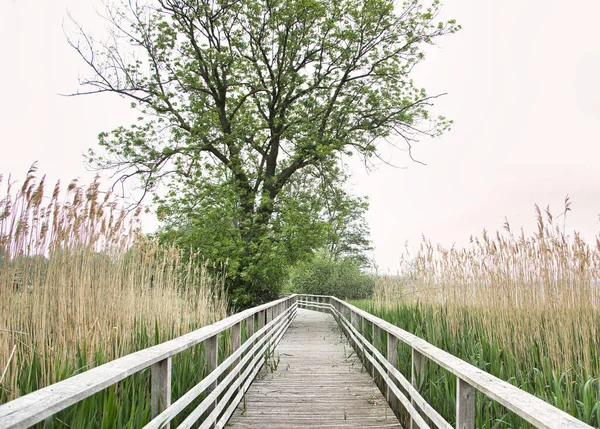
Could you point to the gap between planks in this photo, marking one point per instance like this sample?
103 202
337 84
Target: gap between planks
318 382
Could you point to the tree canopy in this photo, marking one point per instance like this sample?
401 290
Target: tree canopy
243 101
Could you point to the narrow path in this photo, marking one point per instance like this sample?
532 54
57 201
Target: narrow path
318 382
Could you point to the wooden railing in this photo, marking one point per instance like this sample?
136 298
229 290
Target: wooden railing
469 378
226 383
224 386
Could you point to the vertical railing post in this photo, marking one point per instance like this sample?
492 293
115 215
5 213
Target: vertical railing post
160 387
295 301
250 326
269 315
375 340
465 405
417 375
353 317
261 319
236 342
212 361
236 339
392 357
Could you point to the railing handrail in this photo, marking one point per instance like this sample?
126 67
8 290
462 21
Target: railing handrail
38 405
529 407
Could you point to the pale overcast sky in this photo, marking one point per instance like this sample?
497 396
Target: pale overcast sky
523 87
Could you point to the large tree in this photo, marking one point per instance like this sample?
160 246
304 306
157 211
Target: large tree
239 97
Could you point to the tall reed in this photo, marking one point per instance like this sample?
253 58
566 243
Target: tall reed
525 308
80 285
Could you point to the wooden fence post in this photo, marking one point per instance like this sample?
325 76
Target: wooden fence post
465 405
212 361
236 339
417 375
250 326
392 357
374 340
160 387
354 319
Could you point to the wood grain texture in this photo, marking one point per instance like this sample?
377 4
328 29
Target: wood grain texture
27 410
534 410
318 383
160 388
465 405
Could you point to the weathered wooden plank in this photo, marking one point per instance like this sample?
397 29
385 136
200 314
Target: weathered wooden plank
532 409
261 319
27 410
432 414
236 338
235 380
160 388
250 326
360 342
465 405
318 382
417 376
247 350
392 357
241 384
212 362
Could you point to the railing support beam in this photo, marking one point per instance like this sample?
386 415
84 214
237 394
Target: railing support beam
236 338
374 340
250 326
392 357
465 405
417 375
212 362
160 387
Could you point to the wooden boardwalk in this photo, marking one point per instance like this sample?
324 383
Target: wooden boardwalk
315 381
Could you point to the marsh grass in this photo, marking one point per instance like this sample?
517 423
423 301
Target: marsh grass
80 286
523 308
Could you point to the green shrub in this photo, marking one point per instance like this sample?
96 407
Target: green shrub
323 275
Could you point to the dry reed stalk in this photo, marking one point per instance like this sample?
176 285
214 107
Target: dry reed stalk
76 274
543 290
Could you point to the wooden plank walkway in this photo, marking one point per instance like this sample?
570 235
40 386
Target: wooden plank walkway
319 382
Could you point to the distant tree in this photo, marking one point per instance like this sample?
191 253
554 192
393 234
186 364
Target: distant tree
350 230
323 275
309 214
238 98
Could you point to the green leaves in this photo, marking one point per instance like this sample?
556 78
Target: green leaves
241 99
323 275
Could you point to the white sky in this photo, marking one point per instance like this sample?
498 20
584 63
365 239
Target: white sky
523 87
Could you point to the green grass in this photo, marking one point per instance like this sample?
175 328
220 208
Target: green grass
571 389
127 403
